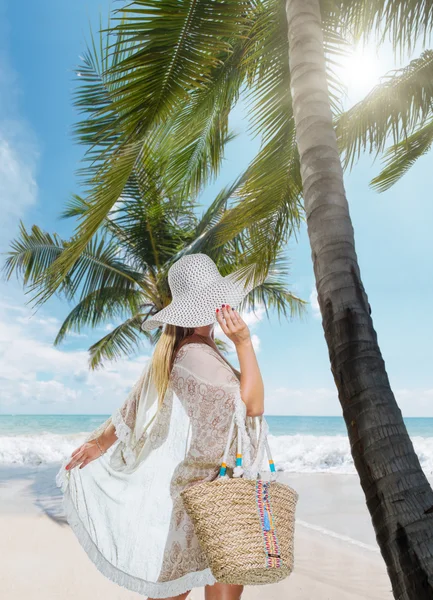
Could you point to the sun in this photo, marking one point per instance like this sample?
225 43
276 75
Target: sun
360 71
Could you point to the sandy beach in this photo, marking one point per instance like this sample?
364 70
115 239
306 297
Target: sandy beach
336 557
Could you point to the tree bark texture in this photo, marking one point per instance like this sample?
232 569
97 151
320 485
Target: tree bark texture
397 492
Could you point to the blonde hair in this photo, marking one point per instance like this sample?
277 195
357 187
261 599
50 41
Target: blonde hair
163 356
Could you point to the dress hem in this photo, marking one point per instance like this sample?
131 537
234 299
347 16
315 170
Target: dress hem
134 584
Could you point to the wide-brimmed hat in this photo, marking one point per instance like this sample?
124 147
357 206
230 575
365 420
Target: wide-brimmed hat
197 289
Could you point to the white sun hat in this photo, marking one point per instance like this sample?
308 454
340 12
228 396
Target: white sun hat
197 289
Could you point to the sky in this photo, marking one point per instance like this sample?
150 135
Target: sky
38 163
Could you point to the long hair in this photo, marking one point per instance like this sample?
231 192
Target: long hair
163 356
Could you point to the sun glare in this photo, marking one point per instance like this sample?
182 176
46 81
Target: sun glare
360 72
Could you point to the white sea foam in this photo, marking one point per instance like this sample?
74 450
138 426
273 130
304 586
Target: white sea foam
330 454
44 448
292 453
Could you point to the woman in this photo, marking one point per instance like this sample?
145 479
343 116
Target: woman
171 432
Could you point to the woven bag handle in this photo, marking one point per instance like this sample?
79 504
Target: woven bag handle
223 468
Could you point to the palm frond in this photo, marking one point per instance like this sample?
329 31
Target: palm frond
111 184
222 346
122 341
99 306
153 227
205 232
172 49
269 201
273 293
99 265
32 253
402 22
402 156
93 97
200 133
75 208
168 51
400 103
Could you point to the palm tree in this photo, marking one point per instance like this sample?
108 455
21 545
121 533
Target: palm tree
122 273
397 492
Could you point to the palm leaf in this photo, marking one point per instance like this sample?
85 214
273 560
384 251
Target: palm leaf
402 156
172 49
204 235
32 253
269 201
99 306
273 292
396 107
199 134
123 340
403 22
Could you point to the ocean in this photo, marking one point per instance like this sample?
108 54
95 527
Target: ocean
299 444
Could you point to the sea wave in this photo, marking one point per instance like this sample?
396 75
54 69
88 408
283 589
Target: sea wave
43 448
291 453
330 454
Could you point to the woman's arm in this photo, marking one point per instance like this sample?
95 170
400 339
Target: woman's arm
252 388
108 438
92 450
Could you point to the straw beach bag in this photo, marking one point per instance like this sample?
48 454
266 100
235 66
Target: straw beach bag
245 526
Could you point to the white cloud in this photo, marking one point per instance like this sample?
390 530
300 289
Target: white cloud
256 342
18 191
33 374
46 325
253 318
308 401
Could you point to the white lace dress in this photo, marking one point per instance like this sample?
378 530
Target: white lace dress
125 507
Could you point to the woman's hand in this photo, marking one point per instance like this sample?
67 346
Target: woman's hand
83 455
233 325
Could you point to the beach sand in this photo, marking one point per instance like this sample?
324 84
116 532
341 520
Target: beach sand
336 557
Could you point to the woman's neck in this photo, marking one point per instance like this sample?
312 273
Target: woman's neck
205 331
207 339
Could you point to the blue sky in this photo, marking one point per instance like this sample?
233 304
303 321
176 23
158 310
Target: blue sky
37 175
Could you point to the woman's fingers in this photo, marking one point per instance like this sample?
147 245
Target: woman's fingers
77 450
78 458
221 321
237 317
226 310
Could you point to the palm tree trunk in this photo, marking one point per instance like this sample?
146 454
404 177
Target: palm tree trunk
397 492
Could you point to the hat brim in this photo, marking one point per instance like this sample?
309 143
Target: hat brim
198 309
